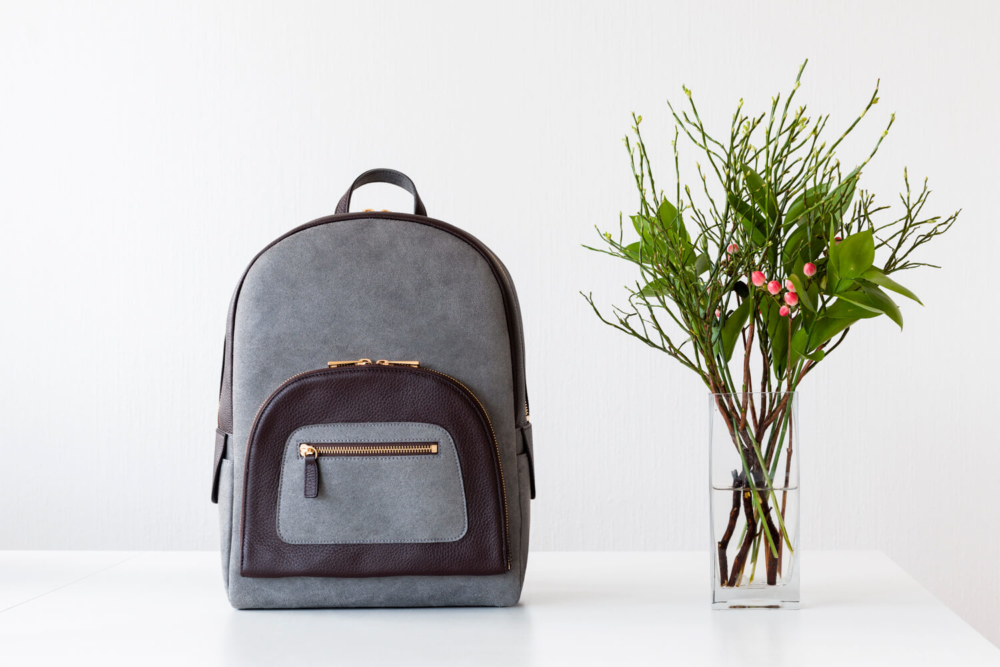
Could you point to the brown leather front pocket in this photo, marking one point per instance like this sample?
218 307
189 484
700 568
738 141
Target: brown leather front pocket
374 397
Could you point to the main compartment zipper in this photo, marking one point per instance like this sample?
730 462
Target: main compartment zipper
369 362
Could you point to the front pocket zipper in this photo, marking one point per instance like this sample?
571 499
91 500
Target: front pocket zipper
310 453
369 449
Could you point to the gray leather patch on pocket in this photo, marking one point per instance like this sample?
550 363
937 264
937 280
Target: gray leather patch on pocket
373 499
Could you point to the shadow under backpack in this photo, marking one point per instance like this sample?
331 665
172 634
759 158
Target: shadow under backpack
374 447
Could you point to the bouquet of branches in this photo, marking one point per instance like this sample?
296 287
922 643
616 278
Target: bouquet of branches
776 257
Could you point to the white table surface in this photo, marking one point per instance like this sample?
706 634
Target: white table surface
152 608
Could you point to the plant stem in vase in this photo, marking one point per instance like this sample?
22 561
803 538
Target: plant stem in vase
754 495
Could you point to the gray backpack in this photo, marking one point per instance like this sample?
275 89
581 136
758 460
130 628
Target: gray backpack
373 447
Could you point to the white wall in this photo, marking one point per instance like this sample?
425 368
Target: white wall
147 151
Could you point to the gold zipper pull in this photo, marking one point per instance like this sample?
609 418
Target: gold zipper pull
353 362
386 362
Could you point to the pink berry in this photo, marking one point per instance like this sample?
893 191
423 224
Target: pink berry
774 287
717 313
836 239
791 298
809 269
732 248
758 278
789 285
783 311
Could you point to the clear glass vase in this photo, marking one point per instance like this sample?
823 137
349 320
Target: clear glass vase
754 486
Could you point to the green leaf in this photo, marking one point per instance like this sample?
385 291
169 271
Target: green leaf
777 333
798 341
805 244
689 256
854 255
657 287
822 330
847 309
835 284
869 297
860 300
667 214
809 199
702 264
748 212
653 245
805 297
884 303
844 193
876 276
673 223
732 326
812 250
634 252
813 292
832 265
760 194
753 231
792 245
770 319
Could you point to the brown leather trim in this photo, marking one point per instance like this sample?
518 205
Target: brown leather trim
391 176
221 442
529 449
511 306
311 477
373 394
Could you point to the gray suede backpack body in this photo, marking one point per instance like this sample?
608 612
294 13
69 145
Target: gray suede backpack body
373 446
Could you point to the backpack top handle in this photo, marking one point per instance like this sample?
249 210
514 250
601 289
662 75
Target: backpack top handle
390 176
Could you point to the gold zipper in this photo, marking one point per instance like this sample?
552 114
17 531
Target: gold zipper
311 453
368 449
369 362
